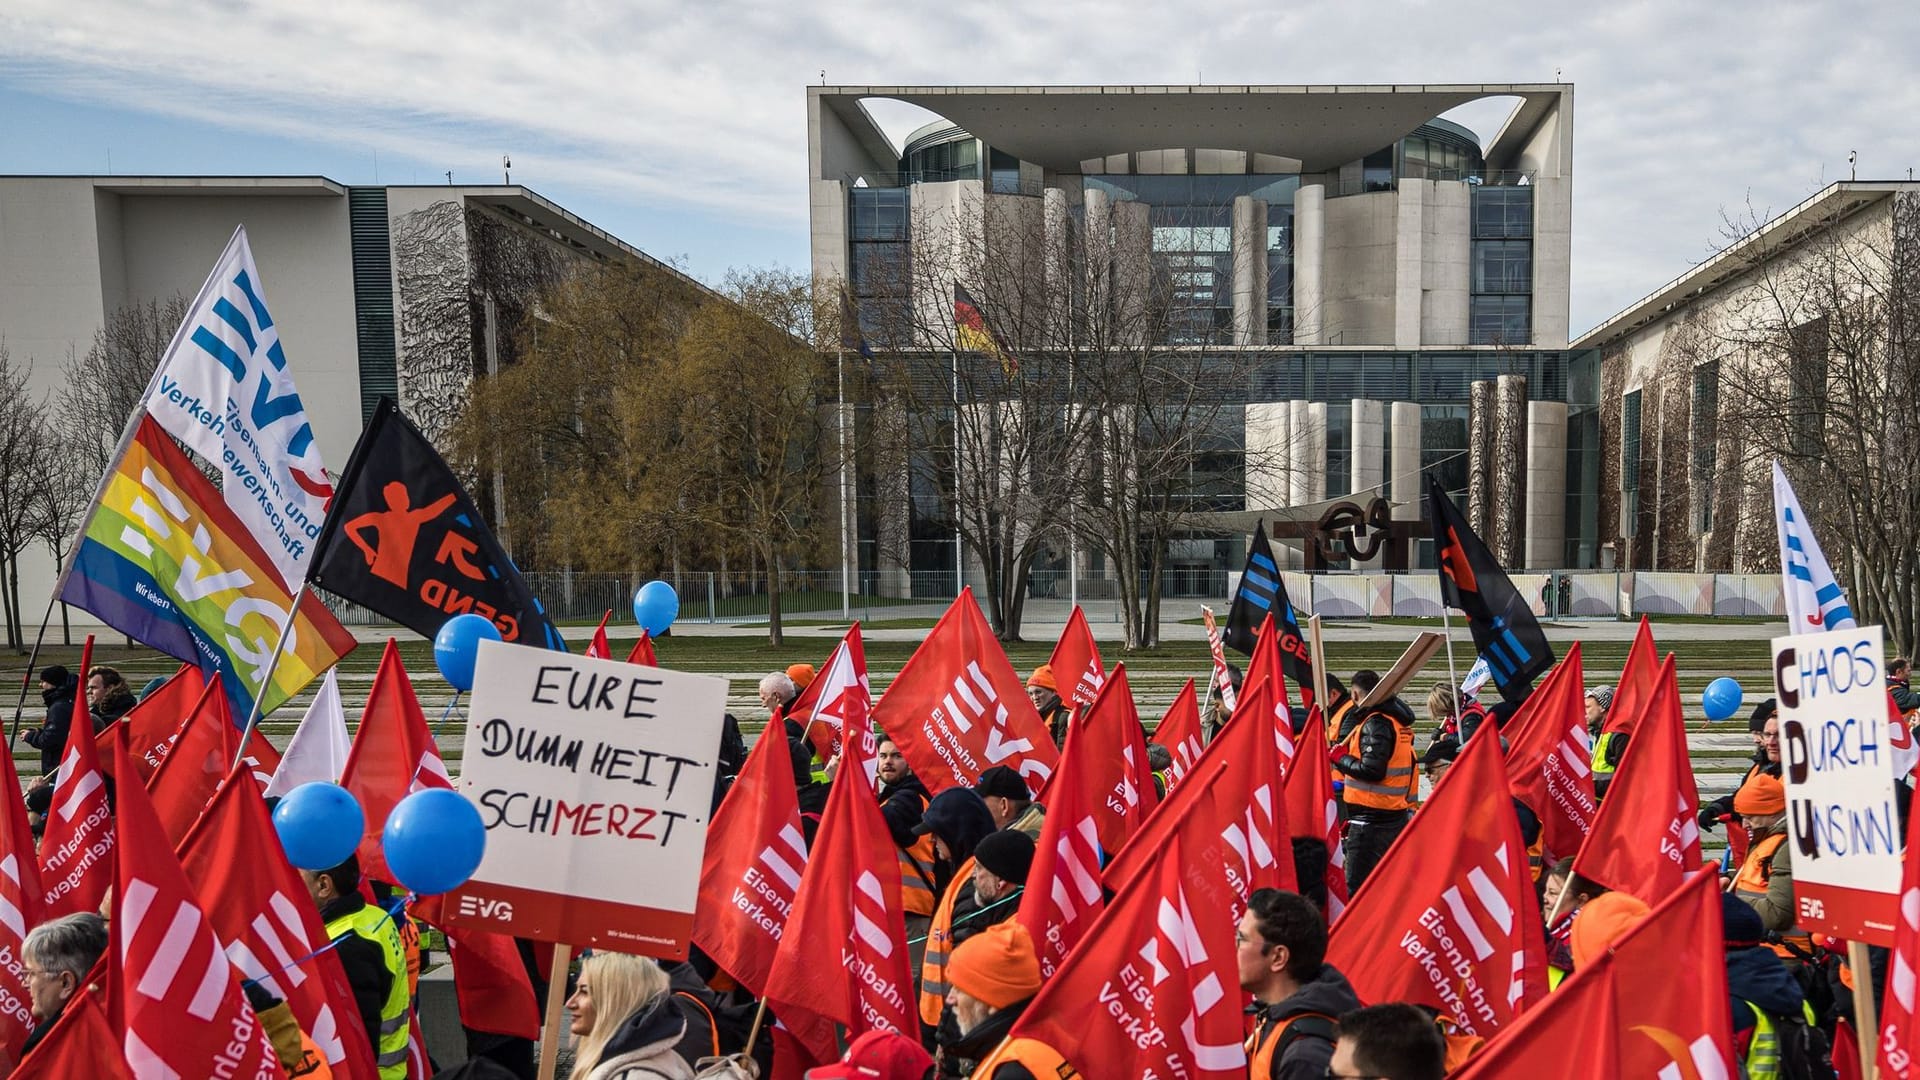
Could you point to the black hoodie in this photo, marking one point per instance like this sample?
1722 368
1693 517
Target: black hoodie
649 1033
1326 994
901 803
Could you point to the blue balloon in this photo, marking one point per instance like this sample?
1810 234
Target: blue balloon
457 645
1721 698
433 841
655 607
320 824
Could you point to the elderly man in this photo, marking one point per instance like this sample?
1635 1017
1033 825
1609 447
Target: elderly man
58 955
995 977
1009 800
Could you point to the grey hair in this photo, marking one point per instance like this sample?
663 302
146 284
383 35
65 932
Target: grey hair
779 686
70 943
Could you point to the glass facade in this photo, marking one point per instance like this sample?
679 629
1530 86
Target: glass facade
956 158
1705 439
1500 304
877 260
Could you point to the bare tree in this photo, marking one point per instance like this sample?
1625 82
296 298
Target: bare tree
105 384
27 456
1820 336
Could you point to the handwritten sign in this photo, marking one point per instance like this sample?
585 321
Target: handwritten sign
595 780
1836 753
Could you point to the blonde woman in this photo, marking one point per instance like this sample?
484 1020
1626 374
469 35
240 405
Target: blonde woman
625 1021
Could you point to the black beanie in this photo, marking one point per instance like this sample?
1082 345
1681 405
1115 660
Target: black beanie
1762 713
1007 855
54 675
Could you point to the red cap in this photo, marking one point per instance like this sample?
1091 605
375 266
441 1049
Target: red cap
878 1055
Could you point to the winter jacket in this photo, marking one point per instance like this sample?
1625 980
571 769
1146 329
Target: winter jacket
643 1046
1379 735
902 803
1904 697
1326 994
113 708
1777 909
1756 977
365 965
960 819
51 737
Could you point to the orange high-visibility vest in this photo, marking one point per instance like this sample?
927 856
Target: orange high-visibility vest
933 969
916 873
1043 1061
1396 790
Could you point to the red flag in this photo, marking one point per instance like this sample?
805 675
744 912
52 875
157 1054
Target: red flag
81 1044
1653 1005
1222 679
1900 1019
201 750
1076 662
838 698
750 874
851 965
1845 1058
642 652
1153 989
1449 919
76 848
1313 811
1118 779
1549 755
170 980
152 724
20 902
393 756
598 648
1179 732
958 708
1646 838
1246 806
1639 678
258 904
1063 895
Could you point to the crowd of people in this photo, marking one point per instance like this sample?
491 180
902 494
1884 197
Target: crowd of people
964 858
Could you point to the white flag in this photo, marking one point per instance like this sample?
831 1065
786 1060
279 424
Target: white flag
1477 677
223 388
320 745
1815 602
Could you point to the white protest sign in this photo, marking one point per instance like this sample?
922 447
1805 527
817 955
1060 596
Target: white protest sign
595 781
1836 755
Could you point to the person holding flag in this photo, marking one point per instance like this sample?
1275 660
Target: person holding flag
368 944
994 976
1043 689
1381 788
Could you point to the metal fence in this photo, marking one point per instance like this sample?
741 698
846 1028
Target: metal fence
815 595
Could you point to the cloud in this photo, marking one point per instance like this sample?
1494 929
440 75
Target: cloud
1683 112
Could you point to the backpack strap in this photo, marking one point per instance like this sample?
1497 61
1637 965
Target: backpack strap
1311 1025
713 1028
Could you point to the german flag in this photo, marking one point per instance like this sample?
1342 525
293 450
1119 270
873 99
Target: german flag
972 334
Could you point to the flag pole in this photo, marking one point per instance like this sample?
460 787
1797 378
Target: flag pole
1453 674
840 406
959 549
26 677
273 663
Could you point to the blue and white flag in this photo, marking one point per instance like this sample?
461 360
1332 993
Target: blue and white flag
1815 601
224 390
1477 676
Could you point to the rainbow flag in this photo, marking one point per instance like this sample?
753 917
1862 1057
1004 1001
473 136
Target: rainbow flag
972 334
164 560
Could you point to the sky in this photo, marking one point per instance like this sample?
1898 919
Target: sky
681 127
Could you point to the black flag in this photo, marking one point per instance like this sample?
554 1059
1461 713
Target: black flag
1262 591
403 539
1504 628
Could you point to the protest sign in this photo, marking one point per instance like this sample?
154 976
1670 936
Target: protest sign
594 779
1837 761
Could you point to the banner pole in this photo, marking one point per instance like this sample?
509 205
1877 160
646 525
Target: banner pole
1867 1026
840 406
550 1027
279 647
26 678
1319 647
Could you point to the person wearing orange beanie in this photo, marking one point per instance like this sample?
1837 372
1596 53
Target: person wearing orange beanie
802 676
1765 880
1044 689
1602 921
993 976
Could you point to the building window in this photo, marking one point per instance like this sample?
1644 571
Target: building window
1500 320
1004 177
1503 266
1706 437
1279 274
877 261
1502 212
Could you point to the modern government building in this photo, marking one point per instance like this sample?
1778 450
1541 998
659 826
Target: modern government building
1391 290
